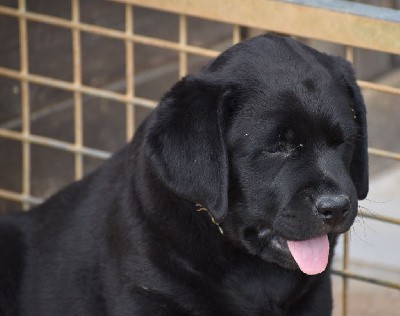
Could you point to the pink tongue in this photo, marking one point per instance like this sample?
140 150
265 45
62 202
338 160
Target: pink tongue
311 255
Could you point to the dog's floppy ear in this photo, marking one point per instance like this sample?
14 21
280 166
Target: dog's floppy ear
186 147
359 164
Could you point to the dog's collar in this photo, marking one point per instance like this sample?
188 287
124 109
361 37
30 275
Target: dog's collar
201 208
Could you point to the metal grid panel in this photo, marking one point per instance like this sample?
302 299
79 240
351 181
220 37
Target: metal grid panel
235 12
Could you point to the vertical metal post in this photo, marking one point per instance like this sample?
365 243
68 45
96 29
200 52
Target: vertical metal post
25 106
345 262
77 73
183 62
345 284
236 37
130 73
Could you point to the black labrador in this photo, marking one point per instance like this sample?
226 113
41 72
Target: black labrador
228 201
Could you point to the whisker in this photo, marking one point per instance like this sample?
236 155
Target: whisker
362 217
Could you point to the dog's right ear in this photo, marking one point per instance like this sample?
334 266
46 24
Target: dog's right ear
186 147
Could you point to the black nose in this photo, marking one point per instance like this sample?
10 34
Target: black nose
333 208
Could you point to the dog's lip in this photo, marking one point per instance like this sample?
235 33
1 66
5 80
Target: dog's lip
280 244
275 241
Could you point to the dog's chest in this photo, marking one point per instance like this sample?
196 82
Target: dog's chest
258 292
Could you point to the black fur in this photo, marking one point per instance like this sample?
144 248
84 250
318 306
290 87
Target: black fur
256 137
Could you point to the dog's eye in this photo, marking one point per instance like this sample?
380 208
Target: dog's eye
281 147
336 141
285 145
336 137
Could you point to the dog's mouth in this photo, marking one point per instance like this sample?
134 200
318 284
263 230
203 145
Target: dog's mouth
311 256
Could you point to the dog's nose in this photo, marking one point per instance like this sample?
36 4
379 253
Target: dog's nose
333 208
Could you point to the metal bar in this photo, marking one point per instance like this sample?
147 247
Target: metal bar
356 29
77 74
345 263
68 86
236 38
130 72
25 110
384 153
345 259
18 197
349 54
363 278
183 61
378 86
372 11
94 29
382 218
50 142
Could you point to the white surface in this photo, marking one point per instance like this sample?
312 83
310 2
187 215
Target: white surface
372 241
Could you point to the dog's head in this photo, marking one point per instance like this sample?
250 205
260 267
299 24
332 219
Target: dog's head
271 138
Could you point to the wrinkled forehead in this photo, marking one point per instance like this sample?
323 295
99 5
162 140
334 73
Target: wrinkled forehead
306 106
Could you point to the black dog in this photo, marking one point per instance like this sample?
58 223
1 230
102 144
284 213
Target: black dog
228 201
